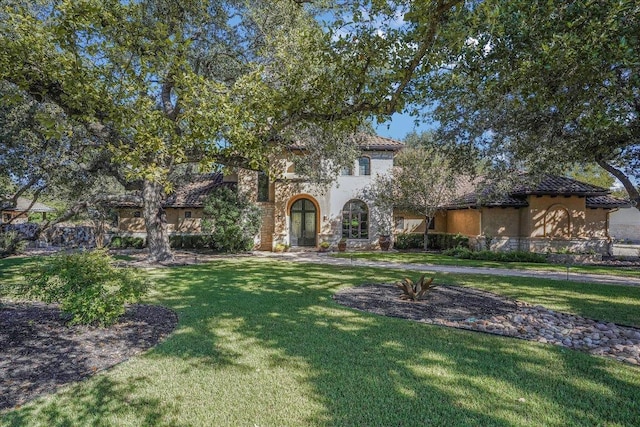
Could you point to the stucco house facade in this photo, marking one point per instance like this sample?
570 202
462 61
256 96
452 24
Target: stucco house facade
624 225
557 213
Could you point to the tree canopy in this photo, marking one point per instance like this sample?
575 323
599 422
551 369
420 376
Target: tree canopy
544 85
159 83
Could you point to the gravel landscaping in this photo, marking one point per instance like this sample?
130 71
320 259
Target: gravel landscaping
473 309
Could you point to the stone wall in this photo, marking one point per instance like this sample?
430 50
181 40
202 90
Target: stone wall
70 236
542 245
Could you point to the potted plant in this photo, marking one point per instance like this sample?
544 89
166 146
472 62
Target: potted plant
324 246
342 244
384 240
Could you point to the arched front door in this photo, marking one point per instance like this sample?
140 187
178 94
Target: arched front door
303 223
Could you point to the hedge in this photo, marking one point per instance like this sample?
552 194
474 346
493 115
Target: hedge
438 241
507 256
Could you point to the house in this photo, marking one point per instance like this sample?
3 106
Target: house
624 224
183 208
20 212
300 214
557 213
295 212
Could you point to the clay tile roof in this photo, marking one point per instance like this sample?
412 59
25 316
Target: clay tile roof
607 202
366 142
375 142
193 194
596 197
560 185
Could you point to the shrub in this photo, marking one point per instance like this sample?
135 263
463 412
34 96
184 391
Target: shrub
86 285
231 220
436 241
125 242
11 243
510 256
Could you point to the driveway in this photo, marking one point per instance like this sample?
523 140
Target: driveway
323 258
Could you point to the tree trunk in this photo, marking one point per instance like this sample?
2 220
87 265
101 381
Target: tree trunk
632 191
427 221
156 222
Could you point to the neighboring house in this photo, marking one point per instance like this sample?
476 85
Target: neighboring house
557 213
20 213
624 225
183 208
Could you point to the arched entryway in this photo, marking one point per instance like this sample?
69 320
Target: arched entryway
303 227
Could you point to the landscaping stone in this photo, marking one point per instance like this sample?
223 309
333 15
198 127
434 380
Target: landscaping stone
519 320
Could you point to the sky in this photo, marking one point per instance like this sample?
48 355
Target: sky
400 125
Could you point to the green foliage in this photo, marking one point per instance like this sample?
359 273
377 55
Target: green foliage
86 285
510 256
231 220
436 241
524 79
190 241
11 243
125 242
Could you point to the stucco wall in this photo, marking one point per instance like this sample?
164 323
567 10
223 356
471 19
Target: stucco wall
624 224
499 222
464 221
413 223
556 217
176 221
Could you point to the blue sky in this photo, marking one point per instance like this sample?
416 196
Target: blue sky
400 125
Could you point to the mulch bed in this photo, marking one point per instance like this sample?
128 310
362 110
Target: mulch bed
39 353
442 302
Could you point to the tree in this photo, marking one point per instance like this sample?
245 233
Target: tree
159 83
231 220
422 181
592 174
544 85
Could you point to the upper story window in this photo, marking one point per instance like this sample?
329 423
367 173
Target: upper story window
364 166
263 187
432 223
347 170
137 214
187 214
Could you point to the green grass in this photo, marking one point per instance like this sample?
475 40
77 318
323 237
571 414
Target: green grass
262 343
439 259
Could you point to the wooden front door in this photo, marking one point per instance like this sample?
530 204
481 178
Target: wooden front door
303 223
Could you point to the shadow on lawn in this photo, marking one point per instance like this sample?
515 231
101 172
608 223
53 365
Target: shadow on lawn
369 370
363 369
95 404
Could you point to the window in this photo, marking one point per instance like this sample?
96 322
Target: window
399 223
347 170
187 214
432 224
263 187
364 166
137 214
355 220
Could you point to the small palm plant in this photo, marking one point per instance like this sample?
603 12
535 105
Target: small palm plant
414 291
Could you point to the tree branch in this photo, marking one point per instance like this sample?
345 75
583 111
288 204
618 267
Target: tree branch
634 195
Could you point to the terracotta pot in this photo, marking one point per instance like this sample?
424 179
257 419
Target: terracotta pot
342 246
384 242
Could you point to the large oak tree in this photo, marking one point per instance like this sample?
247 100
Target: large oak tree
160 83
544 85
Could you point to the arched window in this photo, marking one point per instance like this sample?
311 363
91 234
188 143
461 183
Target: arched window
355 220
364 166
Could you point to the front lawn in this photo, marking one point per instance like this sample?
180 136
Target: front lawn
439 259
262 343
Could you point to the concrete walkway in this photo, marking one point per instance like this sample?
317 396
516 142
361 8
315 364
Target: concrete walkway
323 258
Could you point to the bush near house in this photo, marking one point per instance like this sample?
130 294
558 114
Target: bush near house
126 242
510 256
190 241
438 241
